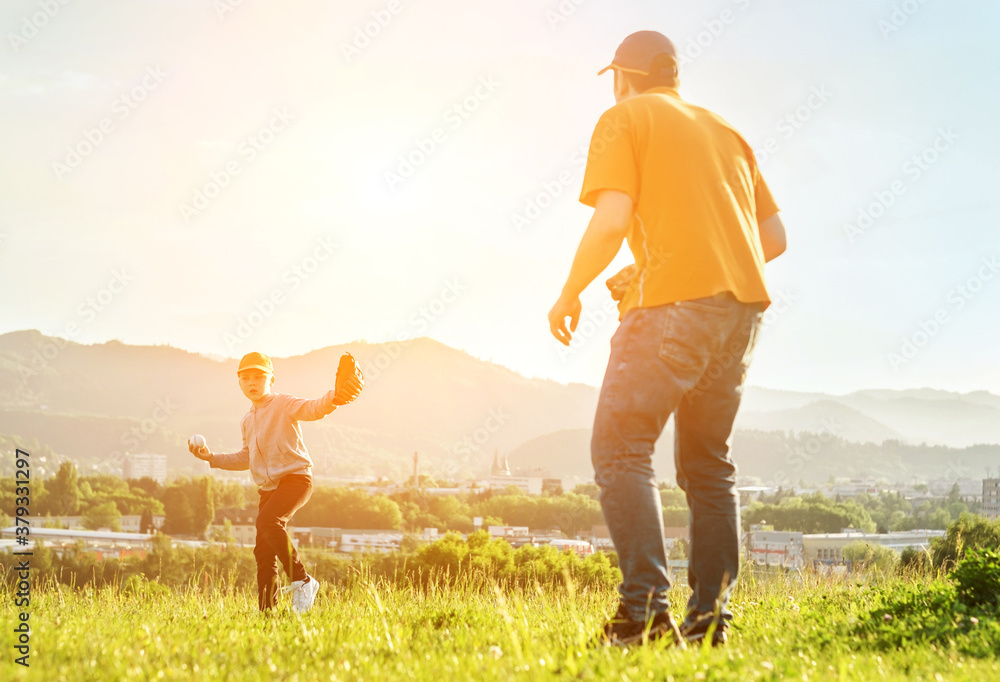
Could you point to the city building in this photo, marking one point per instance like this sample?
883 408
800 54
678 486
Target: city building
242 522
364 542
509 531
828 547
775 548
501 478
145 466
104 544
130 523
991 498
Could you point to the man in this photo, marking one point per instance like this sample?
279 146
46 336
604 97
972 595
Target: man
683 187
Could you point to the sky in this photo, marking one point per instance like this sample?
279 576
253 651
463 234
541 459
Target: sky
247 175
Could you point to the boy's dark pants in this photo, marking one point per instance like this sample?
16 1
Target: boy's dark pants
273 544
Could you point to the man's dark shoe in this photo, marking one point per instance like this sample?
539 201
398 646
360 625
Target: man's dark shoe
621 630
696 627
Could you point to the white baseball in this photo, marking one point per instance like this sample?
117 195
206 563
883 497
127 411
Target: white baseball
198 441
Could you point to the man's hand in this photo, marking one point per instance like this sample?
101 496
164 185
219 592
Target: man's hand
350 380
599 246
565 307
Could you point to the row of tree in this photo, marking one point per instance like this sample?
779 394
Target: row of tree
883 513
447 560
189 505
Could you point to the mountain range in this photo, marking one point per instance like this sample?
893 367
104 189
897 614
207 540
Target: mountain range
95 403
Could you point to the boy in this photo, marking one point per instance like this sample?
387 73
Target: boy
277 458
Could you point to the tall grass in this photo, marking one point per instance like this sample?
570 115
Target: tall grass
376 628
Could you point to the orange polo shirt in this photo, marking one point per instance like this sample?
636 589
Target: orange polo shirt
698 196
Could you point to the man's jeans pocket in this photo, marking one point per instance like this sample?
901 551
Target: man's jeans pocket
691 333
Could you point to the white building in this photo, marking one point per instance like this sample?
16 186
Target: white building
145 466
102 543
775 548
829 546
509 531
370 542
130 523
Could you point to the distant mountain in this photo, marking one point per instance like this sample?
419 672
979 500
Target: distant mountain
777 458
97 402
916 416
824 415
934 417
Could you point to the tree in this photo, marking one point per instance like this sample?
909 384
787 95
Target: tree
679 551
65 491
224 534
870 556
179 514
968 532
146 521
349 508
591 490
104 515
147 485
203 506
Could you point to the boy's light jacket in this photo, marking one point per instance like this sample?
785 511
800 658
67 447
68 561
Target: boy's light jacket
272 439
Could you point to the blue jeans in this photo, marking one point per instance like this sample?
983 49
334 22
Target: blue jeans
688 359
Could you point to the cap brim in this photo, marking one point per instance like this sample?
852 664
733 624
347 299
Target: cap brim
623 69
266 370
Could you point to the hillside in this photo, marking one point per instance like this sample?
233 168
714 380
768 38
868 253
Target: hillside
97 402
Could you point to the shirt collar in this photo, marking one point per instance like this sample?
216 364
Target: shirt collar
265 402
665 90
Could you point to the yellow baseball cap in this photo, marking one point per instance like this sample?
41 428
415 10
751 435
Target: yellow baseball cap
642 53
256 361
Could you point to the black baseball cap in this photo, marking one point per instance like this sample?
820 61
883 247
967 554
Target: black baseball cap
640 52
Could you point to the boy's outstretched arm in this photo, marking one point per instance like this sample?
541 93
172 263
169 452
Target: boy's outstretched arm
231 461
349 383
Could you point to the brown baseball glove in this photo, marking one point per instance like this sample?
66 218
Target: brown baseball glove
350 380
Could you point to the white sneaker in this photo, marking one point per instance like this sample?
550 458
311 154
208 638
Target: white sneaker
303 593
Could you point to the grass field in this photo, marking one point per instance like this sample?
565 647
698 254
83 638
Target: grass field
788 628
